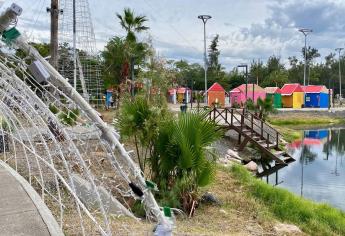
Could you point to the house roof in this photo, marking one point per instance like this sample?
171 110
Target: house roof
289 89
242 89
315 89
216 87
182 90
272 90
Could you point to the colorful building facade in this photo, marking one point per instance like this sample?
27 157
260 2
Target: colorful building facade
292 96
316 96
275 94
254 92
216 95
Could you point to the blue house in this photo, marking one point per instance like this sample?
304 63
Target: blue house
316 96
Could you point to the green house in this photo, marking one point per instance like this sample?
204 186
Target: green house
275 94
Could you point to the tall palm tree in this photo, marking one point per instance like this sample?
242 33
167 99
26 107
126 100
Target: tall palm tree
132 24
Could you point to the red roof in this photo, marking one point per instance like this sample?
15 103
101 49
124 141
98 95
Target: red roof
216 87
289 89
315 89
182 90
242 88
172 91
272 90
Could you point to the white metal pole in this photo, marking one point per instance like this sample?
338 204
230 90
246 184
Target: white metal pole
305 59
205 63
339 76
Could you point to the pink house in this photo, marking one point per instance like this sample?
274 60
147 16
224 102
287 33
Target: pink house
238 95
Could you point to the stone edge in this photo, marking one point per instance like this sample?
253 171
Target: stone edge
46 215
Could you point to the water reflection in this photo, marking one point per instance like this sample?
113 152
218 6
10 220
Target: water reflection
318 172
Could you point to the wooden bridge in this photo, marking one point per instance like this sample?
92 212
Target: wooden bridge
251 128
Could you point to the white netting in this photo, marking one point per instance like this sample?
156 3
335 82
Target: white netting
87 68
57 141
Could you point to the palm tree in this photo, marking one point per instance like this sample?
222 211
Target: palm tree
132 24
265 107
183 159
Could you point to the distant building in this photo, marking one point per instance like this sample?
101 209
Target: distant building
316 96
292 96
216 95
275 94
183 94
238 95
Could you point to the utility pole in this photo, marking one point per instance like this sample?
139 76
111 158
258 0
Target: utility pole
305 32
54 27
204 19
339 50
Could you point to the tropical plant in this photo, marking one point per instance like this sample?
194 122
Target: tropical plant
183 159
265 107
132 24
139 121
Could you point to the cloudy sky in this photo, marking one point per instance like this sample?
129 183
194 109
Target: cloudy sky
248 30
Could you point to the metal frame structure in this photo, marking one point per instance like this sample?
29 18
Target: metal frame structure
76 33
82 171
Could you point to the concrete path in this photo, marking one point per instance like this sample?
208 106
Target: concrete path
21 213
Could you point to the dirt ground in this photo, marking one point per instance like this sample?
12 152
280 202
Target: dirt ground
238 213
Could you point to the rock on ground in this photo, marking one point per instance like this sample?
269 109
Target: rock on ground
251 166
283 229
233 154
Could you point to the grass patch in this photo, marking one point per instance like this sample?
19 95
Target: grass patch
282 121
289 135
312 218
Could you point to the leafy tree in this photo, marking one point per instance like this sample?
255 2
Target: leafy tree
276 79
236 79
312 53
213 56
274 64
257 70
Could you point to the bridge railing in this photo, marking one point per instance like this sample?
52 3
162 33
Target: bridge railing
244 119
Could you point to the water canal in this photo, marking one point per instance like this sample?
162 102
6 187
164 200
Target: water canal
319 170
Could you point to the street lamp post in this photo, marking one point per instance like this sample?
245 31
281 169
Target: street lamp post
204 19
305 32
339 50
245 66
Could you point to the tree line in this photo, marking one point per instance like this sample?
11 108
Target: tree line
127 59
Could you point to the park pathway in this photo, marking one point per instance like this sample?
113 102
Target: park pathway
22 212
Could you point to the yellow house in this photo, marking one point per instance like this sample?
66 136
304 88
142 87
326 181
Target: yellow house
292 96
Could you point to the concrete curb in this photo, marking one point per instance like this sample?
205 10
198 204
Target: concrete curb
48 218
